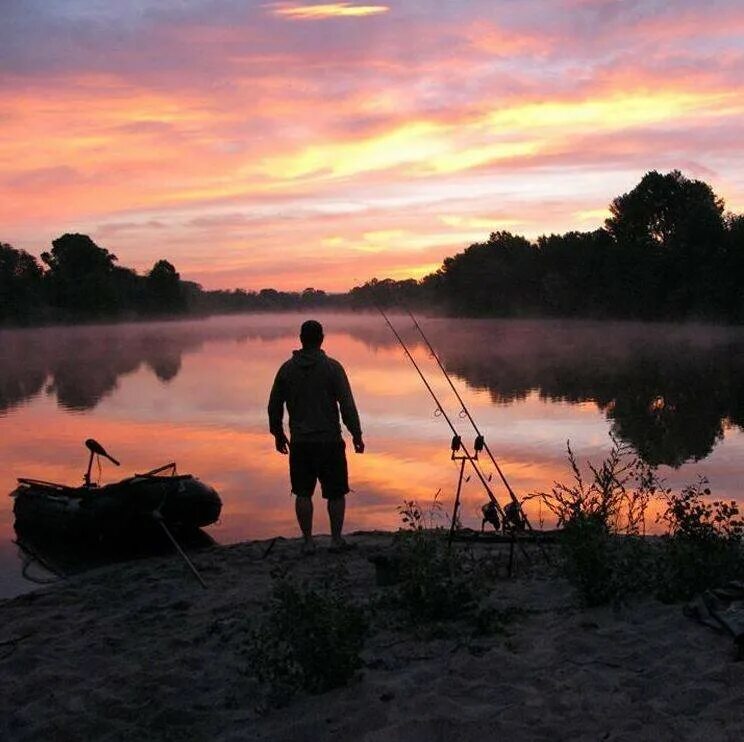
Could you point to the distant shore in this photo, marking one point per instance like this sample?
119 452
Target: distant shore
429 312
125 319
140 650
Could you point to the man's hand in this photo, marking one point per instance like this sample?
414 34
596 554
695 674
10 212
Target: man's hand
281 443
358 444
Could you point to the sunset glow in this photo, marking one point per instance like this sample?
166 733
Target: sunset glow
326 10
295 144
196 392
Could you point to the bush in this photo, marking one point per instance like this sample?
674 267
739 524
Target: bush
616 497
436 582
702 548
585 547
309 638
603 520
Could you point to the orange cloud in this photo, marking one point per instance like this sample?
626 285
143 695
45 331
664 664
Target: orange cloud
325 10
275 153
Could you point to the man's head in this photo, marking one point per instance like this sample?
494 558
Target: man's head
311 334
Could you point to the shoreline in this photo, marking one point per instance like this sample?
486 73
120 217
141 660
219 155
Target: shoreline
140 650
429 312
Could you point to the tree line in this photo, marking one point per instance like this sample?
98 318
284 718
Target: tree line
79 281
668 251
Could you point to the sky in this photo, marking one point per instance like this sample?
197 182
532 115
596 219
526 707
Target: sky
304 144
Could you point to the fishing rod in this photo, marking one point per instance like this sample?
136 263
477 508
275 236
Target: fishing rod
519 511
466 454
460 400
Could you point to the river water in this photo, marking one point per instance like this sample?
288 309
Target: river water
195 392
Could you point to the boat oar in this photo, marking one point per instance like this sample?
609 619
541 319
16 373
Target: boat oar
158 517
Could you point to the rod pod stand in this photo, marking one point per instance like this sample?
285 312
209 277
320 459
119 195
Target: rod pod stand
479 439
521 517
456 448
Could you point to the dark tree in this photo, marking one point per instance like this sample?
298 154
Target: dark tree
735 232
732 275
80 276
667 252
129 289
311 297
164 289
576 270
385 293
497 278
20 285
668 211
675 228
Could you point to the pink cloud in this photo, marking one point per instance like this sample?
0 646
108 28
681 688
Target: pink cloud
241 132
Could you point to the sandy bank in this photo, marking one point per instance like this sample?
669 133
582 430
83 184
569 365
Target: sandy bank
141 651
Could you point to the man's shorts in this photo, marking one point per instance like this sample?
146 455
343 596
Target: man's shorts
324 461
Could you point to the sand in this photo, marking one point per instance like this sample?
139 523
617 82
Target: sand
139 651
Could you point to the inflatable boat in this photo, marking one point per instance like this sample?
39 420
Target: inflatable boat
181 502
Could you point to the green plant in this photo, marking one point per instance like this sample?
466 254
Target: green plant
436 582
585 546
703 546
615 498
310 638
602 520
414 517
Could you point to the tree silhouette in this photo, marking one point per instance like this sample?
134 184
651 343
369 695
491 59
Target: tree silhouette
20 284
575 270
496 278
668 211
164 289
385 293
732 271
667 252
80 276
675 227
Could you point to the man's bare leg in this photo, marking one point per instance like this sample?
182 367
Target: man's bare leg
336 511
304 513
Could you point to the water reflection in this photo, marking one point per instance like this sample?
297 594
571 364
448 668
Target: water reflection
667 390
79 366
196 392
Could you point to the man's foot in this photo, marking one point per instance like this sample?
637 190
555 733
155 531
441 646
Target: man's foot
338 545
308 548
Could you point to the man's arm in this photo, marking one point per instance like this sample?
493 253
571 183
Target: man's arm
348 409
276 413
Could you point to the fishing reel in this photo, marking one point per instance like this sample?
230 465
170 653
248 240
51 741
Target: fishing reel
513 518
490 515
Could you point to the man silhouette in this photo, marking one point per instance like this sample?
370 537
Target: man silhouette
315 388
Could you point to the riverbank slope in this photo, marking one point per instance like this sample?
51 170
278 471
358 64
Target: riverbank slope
140 650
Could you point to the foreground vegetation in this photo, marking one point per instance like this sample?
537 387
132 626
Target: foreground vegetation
604 552
311 637
668 251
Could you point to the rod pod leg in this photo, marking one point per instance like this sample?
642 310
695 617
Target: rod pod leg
456 507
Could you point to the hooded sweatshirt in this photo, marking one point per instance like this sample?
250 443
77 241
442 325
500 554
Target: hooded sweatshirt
314 387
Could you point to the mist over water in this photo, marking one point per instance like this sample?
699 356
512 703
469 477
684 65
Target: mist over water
196 392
